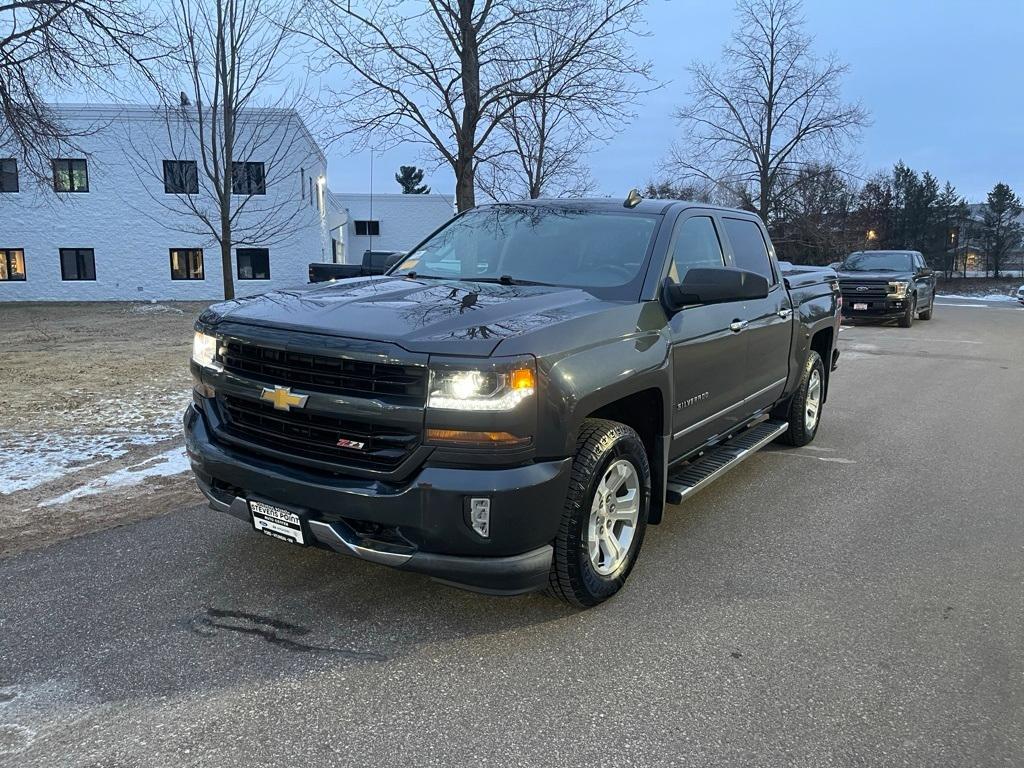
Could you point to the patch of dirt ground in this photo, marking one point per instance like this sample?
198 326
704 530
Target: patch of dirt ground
90 432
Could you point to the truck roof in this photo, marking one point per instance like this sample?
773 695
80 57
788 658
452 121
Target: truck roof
648 206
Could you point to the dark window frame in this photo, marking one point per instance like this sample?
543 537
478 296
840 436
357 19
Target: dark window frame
8 260
368 229
70 169
79 253
181 184
191 252
9 174
243 182
249 253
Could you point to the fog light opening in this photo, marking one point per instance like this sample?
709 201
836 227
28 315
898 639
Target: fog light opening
480 516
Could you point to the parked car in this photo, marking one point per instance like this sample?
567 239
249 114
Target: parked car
374 263
887 285
1020 294
520 398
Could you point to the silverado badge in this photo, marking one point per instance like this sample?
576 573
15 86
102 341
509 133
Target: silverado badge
282 398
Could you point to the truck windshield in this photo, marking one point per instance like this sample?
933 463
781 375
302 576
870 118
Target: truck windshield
556 245
878 261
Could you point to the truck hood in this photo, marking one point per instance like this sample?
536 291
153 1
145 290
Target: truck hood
873 277
430 316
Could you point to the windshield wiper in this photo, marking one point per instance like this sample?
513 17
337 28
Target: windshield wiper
503 280
414 275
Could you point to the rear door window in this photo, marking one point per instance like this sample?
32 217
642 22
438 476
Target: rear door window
748 247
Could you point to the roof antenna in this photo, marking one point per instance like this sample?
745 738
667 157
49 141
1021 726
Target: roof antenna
633 199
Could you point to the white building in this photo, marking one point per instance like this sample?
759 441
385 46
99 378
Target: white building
120 219
389 222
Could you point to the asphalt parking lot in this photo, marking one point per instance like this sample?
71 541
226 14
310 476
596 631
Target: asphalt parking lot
856 602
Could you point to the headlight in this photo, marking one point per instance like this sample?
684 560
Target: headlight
898 289
204 350
481 389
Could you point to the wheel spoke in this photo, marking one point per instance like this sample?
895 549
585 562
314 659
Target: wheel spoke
612 547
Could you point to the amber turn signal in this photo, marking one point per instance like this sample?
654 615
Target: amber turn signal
466 438
522 378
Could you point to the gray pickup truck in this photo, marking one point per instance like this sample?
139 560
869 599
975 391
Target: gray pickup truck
515 402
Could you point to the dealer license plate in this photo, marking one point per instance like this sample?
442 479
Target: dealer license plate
276 522
860 306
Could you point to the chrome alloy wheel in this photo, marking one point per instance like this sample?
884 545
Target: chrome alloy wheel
812 403
613 517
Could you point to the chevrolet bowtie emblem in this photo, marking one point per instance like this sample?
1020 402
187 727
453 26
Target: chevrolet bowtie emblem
283 398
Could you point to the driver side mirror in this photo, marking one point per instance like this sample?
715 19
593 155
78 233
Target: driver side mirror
924 272
714 285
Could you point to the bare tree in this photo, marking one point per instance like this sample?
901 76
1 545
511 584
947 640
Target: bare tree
578 103
47 46
225 143
447 73
770 109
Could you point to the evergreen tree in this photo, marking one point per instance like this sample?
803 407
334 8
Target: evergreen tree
1001 228
411 179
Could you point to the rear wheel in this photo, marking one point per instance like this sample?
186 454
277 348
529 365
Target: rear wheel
927 314
605 514
803 412
907 319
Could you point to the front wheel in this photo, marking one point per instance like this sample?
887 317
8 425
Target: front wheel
907 319
604 517
803 411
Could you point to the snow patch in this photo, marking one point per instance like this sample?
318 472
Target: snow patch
986 297
166 464
88 435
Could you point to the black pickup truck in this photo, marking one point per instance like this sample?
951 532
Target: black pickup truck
374 263
887 285
515 402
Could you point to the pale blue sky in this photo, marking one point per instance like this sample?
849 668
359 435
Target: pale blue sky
942 79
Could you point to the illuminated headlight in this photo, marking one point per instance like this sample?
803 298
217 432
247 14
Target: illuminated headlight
898 289
481 389
204 350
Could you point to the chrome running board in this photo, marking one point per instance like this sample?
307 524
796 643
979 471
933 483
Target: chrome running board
719 460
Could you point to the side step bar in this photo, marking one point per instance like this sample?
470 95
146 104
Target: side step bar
717 461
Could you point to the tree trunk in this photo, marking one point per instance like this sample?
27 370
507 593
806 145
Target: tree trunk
225 263
465 185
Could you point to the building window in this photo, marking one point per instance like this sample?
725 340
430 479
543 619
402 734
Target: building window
334 250
187 264
302 182
253 263
8 174
311 190
367 228
70 175
181 177
12 264
77 264
248 179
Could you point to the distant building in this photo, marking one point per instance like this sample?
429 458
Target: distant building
113 222
389 222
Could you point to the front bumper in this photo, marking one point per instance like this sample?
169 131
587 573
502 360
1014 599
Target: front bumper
890 309
418 525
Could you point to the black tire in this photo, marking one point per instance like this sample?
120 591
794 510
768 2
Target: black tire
573 576
907 319
927 314
799 432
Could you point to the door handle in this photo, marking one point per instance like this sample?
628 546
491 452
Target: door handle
738 325
785 313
